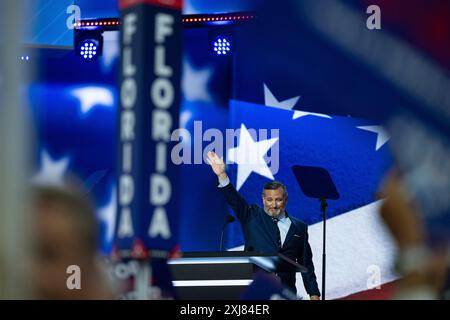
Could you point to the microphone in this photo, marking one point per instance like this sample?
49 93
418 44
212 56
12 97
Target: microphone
228 219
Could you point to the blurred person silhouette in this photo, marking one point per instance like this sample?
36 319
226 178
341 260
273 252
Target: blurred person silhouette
423 268
65 234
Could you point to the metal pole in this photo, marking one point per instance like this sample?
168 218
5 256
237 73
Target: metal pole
13 158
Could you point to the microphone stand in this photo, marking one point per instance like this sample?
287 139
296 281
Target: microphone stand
323 208
221 236
229 218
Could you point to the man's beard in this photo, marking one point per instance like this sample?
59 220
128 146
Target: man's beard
274 213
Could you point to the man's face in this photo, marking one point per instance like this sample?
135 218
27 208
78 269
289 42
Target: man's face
274 202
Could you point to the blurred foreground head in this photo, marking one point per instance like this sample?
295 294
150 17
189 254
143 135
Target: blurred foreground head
64 241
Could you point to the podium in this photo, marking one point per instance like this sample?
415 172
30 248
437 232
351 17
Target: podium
223 275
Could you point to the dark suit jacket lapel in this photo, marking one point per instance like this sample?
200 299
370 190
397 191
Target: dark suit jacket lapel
293 229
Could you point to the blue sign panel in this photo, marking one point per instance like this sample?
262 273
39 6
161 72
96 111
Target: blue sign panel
149 109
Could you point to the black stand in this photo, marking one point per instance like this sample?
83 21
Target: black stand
228 219
323 208
317 183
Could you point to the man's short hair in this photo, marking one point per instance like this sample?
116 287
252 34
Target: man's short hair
274 185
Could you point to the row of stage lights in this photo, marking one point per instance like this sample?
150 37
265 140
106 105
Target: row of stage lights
81 24
218 18
186 19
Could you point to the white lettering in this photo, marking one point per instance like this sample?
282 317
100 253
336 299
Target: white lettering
159 225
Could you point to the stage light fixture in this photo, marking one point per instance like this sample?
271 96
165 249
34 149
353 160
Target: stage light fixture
89 49
88 44
222 45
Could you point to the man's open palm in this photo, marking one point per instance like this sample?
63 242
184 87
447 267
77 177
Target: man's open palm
216 163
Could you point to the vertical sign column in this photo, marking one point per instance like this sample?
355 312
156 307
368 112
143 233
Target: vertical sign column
149 111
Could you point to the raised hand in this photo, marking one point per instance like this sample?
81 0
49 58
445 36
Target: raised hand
217 164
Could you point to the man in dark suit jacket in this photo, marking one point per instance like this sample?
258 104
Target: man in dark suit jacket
270 229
